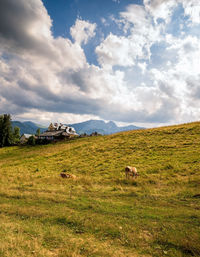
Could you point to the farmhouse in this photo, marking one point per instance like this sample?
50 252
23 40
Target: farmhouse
57 132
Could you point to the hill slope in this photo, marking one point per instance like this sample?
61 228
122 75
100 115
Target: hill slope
100 213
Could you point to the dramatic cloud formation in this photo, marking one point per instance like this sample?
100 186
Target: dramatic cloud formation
147 72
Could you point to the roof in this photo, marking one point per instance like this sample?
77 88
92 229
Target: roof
65 134
57 133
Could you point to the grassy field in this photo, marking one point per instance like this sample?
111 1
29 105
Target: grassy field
100 213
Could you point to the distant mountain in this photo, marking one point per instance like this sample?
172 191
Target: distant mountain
27 127
101 127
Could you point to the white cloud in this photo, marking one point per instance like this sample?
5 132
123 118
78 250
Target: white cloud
160 9
43 78
164 9
126 50
180 80
117 51
192 9
45 118
82 31
143 66
188 51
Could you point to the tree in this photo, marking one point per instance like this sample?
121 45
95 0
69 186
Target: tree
31 140
38 132
16 135
6 135
1 130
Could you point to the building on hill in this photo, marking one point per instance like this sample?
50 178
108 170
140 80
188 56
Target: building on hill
58 132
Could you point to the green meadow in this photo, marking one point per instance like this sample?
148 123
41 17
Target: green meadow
101 213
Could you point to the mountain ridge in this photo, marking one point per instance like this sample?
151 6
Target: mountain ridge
27 127
101 126
88 127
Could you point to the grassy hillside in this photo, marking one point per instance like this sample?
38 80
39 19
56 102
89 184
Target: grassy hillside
101 213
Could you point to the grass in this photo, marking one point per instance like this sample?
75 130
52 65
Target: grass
101 213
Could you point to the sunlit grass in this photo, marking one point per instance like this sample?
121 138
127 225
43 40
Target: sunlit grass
101 213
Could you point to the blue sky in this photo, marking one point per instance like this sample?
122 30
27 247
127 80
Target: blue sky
64 13
130 61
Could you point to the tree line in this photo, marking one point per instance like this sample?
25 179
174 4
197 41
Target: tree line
11 136
8 135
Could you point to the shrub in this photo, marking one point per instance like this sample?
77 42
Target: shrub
31 140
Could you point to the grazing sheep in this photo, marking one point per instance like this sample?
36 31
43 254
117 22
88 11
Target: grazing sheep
66 175
131 172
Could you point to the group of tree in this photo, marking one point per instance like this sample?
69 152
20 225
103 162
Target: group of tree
11 136
8 135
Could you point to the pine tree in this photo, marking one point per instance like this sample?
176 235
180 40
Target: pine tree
16 135
1 131
38 132
6 135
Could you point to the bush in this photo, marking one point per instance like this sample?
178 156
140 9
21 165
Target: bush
31 140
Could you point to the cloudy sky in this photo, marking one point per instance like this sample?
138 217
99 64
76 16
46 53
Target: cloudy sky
130 61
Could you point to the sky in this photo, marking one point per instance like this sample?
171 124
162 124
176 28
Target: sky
129 61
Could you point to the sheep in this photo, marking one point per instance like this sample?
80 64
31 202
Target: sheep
66 175
131 171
